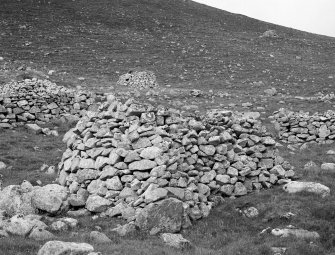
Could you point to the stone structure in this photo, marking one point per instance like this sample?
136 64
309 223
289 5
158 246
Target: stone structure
40 101
138 79
128 156
300 127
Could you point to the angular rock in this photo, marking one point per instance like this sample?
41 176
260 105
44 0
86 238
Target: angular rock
97 204
176 241
154 193
166 216
125 229
49 198
98 237
142 165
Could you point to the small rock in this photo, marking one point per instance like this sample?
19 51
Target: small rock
2 165
123 230
176 241
328 167
250 212
98 237
41 234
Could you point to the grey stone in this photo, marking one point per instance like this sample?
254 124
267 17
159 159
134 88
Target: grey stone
97 204
167 216
60 248
49 198
142 165
98 237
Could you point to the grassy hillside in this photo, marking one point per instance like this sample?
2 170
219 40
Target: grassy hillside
181 41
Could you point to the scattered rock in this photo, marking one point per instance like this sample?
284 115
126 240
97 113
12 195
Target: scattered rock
330 167
59 248
176 241
311 187
98 237
125 229
298 233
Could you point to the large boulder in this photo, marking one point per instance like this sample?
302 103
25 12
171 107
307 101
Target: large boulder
22 225
61 248
310 187
49 198
165 216
15 200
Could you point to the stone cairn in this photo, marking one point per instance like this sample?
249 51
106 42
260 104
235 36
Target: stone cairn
300 127
138 79
134 155
39 101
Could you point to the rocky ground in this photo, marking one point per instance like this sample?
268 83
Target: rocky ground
222 62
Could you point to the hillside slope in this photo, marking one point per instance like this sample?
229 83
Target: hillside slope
181 41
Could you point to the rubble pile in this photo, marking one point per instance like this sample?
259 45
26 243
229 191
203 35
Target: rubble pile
138 79
301 127
129 156
34 100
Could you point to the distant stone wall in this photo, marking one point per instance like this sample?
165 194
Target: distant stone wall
40 101
134 155
300 127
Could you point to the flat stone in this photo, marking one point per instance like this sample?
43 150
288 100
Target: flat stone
298 233
151 152
142 165
60 248
311 187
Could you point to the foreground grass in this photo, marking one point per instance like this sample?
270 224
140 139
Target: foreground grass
25 153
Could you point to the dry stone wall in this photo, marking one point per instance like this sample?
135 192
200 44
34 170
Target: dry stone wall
34 100
301 127
130 155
